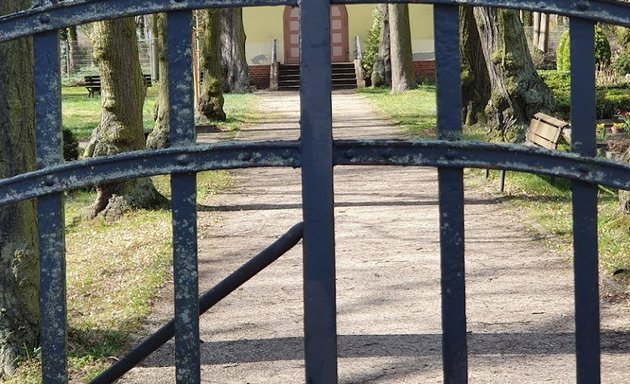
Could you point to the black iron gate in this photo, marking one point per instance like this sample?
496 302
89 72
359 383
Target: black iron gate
316 153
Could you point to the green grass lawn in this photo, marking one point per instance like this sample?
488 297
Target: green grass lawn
414 110
81 114
547 203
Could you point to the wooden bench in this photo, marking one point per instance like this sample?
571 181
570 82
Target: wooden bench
544 131
93 83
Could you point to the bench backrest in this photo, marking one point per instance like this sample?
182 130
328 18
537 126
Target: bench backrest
545 131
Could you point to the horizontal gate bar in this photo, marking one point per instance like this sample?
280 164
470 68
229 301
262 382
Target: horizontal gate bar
434 153
65 14
206 301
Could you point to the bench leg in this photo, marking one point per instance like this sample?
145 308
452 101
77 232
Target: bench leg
487 173
502 181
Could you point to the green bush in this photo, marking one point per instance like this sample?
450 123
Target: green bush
557 81
370 50
609 100
621 64
70 145
608 103
602 50
563 61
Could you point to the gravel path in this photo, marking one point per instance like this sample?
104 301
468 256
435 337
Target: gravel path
519 295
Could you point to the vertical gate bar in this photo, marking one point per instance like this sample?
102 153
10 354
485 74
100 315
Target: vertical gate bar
183 192
50 210
584 197
320 328
451 190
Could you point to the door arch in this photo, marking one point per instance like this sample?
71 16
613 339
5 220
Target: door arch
338 34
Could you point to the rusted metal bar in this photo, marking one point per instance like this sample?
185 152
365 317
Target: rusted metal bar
65 14
197 158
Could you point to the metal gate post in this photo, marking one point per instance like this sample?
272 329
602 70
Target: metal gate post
320 329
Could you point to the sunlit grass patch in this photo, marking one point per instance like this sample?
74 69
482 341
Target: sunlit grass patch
414 110
81 114
548 201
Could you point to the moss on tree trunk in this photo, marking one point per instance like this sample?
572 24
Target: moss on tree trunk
19 263
517 92
474 75
211 97
120 129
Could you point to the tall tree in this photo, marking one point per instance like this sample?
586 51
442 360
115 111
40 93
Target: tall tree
19 263
233 58
159 136
475 81
211 97
382 70
516 90
120 130
403 76
73 43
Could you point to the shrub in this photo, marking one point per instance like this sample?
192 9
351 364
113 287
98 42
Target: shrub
621 64
370 50
563 61
610 99
70 145
557 81
602 50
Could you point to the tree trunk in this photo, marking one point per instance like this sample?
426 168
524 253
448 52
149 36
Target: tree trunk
382 71
517 92
233 59
211 97
159 137
403 76
120 129
72 44
19 263
475 81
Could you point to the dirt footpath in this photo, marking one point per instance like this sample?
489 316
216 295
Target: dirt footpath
519 295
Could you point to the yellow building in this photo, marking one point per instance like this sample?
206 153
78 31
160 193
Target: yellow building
349 23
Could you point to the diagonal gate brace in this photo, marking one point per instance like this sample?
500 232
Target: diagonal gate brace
206 301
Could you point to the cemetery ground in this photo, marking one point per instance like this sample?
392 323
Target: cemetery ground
111 295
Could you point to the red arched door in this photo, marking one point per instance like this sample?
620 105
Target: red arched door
338 34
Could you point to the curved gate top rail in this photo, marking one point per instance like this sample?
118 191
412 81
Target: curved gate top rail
50 17
316 154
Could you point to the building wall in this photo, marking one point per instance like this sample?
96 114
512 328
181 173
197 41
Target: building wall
259 76
263 24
